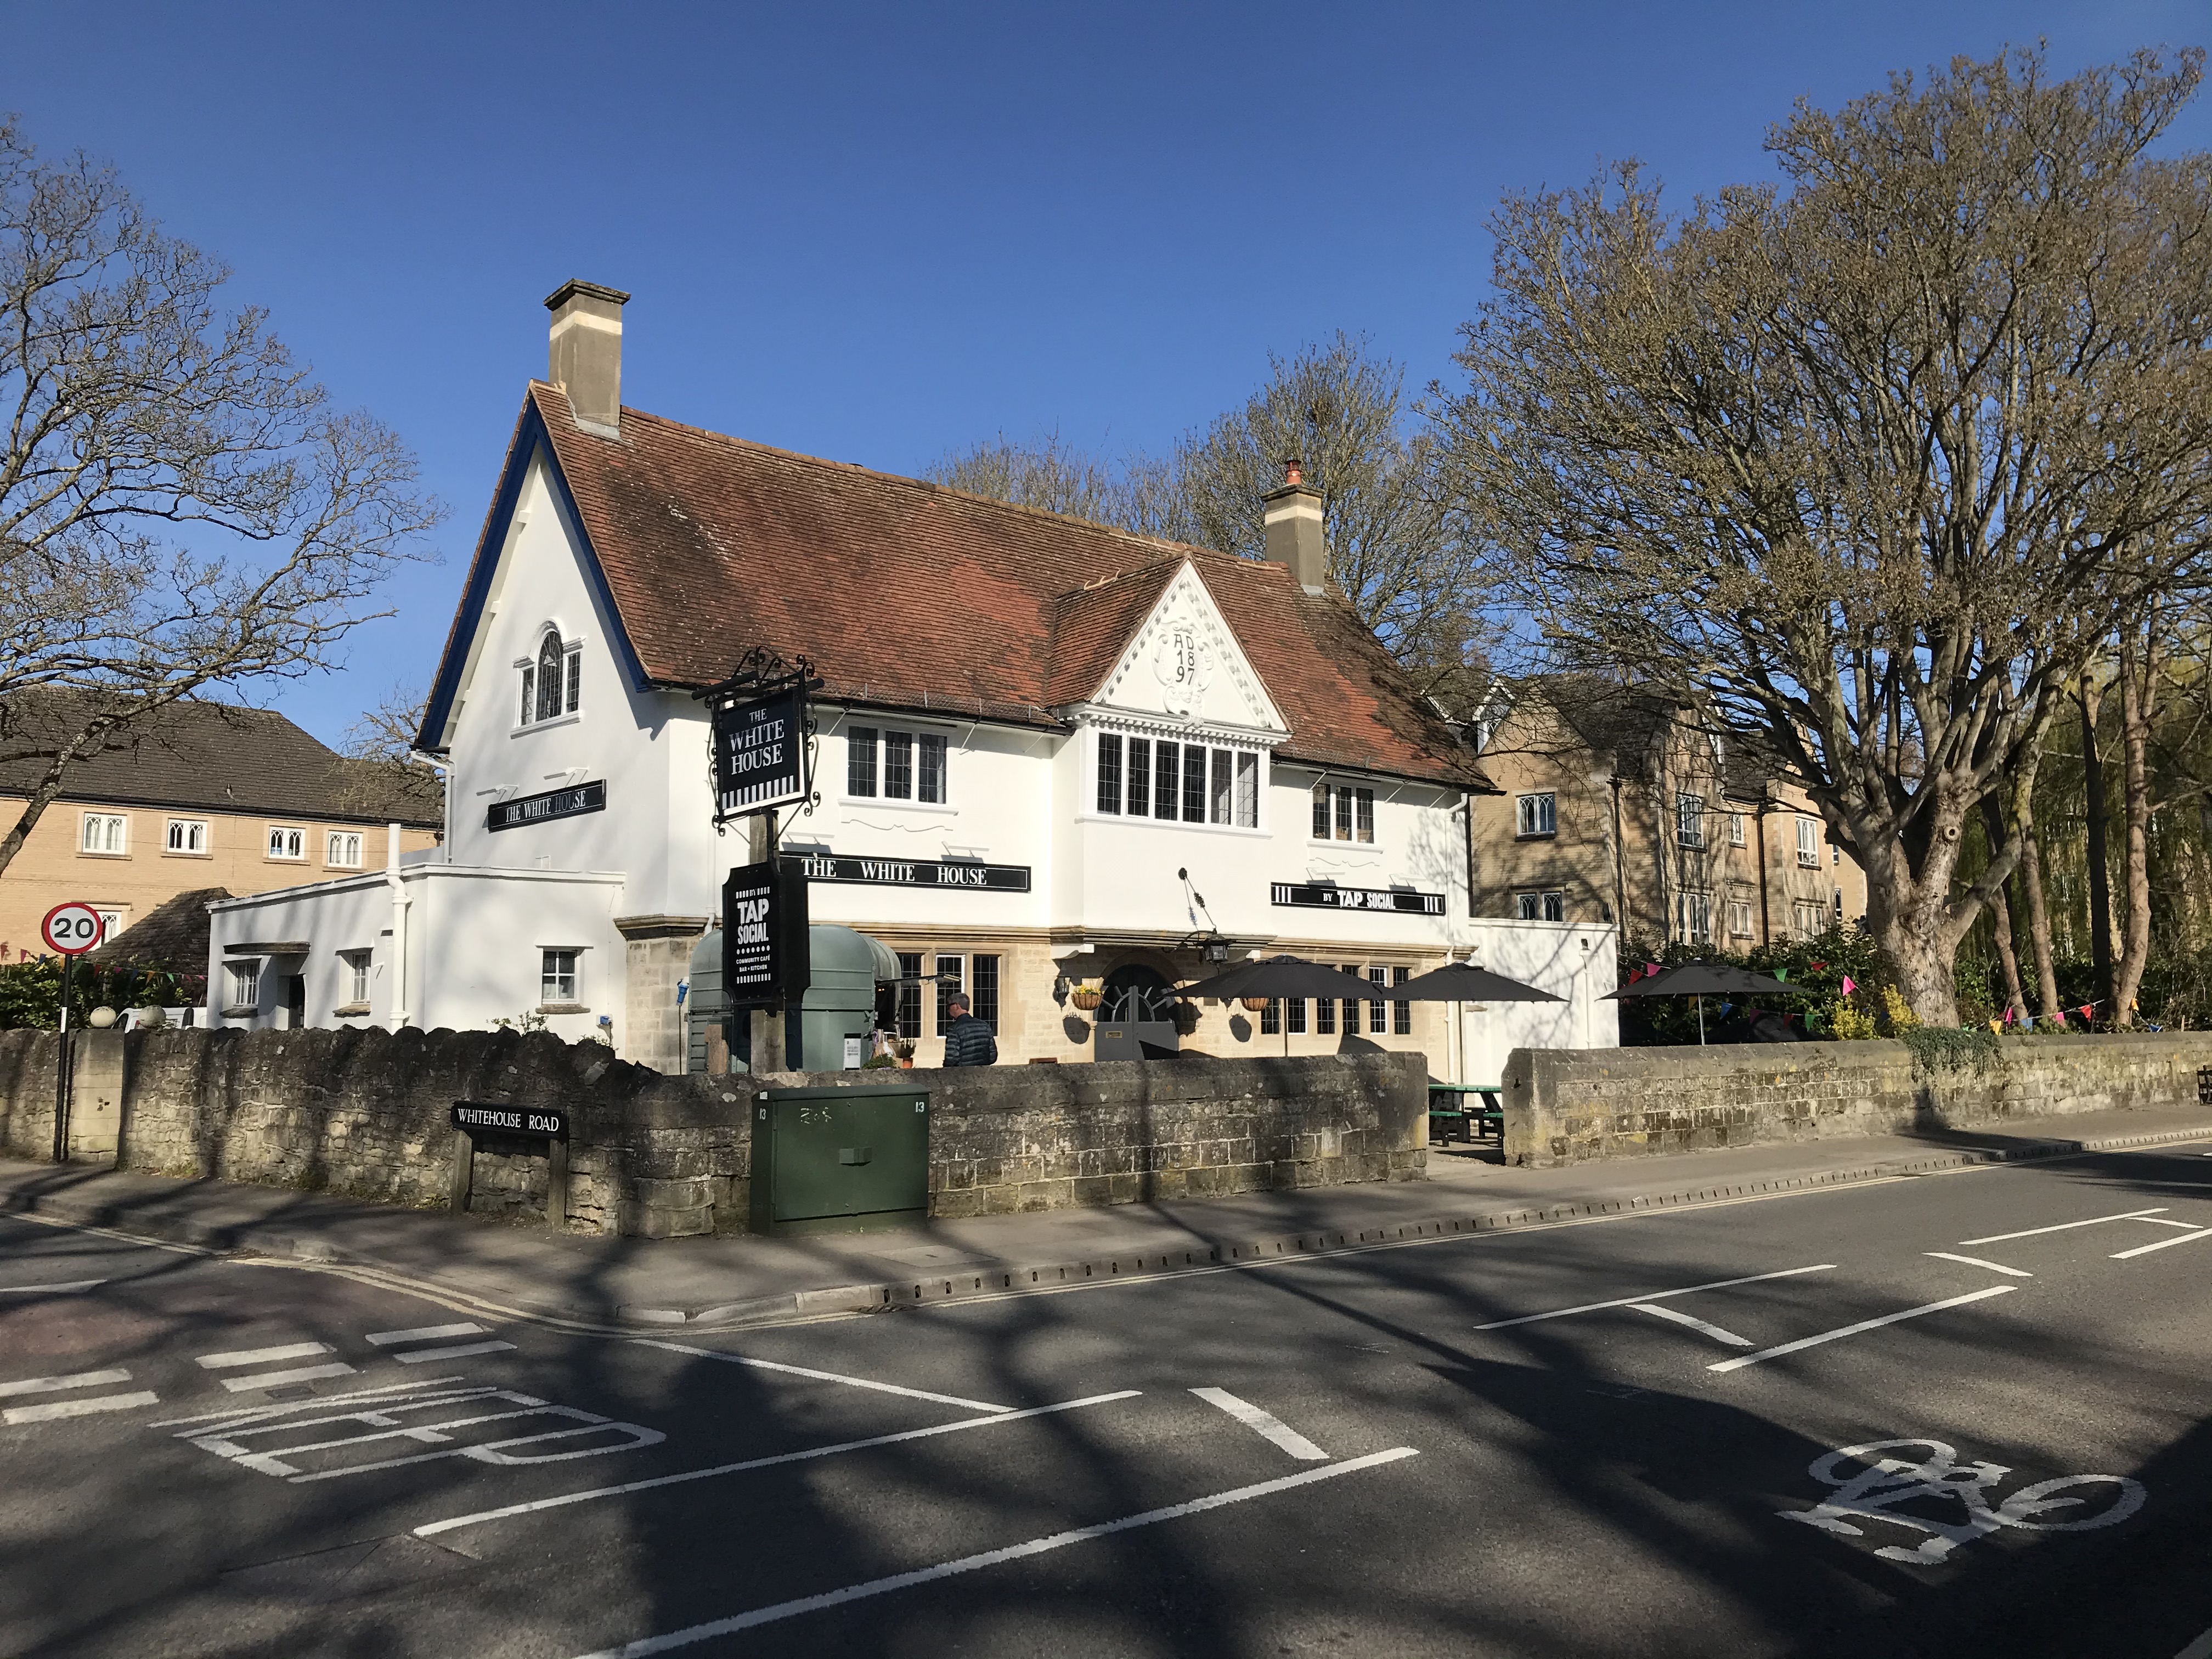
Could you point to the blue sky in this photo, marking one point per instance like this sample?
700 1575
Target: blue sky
876 233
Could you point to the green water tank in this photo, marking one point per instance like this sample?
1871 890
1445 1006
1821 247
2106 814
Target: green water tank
838 1013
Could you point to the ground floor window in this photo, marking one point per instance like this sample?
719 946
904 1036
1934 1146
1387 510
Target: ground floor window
1739 917
557 977
984 988
1379 1013
951 981
357 965
1809 916
1271 1017
1324 1016
909 995
1402 1013
245 984
1294 1015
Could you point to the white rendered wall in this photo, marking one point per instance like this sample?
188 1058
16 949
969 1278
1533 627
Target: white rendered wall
1578 960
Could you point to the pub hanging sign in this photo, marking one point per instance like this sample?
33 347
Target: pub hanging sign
1329 896
760 750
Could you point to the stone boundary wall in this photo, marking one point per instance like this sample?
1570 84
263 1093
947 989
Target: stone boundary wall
364 1113
1569 1106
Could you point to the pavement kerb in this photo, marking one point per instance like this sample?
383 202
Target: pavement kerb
1017 1278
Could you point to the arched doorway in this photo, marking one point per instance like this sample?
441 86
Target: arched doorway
1134 994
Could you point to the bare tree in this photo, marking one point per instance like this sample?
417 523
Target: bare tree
387 731
1867 463
1047 473
180 508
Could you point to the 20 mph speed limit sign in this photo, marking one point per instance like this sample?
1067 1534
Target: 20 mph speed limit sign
71 929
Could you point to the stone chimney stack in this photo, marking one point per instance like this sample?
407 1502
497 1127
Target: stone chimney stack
587 352
1294 530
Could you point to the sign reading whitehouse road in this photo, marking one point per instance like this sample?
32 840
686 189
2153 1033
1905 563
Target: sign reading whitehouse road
547 1122
764 942
760 751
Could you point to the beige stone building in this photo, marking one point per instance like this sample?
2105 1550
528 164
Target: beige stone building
206 796
1618 807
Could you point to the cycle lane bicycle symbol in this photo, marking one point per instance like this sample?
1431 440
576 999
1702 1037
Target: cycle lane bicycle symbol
1870 1485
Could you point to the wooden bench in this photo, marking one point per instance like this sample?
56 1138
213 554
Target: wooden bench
1453 1115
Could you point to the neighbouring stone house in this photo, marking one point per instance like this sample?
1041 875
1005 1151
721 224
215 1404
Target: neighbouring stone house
198 795
1046 753
1617 806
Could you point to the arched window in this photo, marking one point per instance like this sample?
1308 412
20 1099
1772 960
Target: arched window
552 680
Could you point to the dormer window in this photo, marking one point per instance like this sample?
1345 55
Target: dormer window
552 682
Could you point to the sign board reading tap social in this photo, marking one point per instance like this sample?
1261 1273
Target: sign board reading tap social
764 943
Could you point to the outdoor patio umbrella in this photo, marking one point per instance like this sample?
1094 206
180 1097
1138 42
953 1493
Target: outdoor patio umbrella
1702 980
1462 981
1288 976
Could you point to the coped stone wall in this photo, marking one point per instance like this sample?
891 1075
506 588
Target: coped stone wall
366 1113
1567 1106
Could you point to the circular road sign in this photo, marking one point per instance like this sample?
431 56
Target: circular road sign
71 928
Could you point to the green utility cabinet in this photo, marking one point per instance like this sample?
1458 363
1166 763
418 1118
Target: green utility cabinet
840 1160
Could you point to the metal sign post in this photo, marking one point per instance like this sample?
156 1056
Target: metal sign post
70 930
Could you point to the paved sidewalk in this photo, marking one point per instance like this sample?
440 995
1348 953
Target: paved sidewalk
739 1280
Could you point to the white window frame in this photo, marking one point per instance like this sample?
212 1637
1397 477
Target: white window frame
358 965
1808 842
188 851
332 837
1810 917
1236 775
547 976
245 984
297 844
1693 917
114 919
1739 909
1736 837
1547 905
1537 815
569 694
880 768
1345 801
113 835
1689 819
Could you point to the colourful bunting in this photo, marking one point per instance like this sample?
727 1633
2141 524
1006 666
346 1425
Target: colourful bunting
2058 1015
1849 985
2086 1007
1651 970
1820 967
1782 973
1996 1029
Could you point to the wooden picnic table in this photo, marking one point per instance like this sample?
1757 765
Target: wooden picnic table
1454 1116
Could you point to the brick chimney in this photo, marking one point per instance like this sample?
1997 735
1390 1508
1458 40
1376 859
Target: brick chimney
1294 530
587 352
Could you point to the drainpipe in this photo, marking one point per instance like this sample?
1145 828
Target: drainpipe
399 903
1759 821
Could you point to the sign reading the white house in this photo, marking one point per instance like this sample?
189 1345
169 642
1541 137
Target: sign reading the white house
764 942
485 1118
760 751
1324 897
553 803
949 874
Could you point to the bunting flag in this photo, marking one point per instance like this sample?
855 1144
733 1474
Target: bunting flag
1782 973
1996 1029
1651 970
1849 985
2059 1015
1820 967
2086 1007
1726 1008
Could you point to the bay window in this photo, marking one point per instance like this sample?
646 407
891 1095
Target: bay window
1178 782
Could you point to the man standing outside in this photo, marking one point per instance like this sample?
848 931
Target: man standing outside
968 1040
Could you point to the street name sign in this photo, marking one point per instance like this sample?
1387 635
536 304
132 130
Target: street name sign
484 1118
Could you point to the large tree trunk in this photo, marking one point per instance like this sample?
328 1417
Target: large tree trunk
2039 914
2136 693
2090 702
2001 911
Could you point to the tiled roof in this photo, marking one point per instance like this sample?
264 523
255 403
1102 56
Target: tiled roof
174 931
910 595
212 756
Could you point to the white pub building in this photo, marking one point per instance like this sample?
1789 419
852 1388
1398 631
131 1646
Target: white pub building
1050 759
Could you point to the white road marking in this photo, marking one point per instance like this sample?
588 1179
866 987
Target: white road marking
459 1351
824 1376
1266 1424
73 1286
2065 1226
78 1380
239 1414
1695 1324
782 1610
278 1379
53 1408
1655 1296
2187 1226
1976 1261
436 1527
2163 1245
425 1334
1864 1325
220 1362
2202 1647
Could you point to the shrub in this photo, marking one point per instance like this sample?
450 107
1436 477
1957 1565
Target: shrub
1938 1048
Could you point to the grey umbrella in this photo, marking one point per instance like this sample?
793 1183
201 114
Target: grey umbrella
1462 981
1702 980
1288 976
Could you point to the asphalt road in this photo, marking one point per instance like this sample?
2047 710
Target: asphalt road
1957 1414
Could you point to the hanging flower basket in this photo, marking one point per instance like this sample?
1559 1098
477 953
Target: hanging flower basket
1256 1005
1087 997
